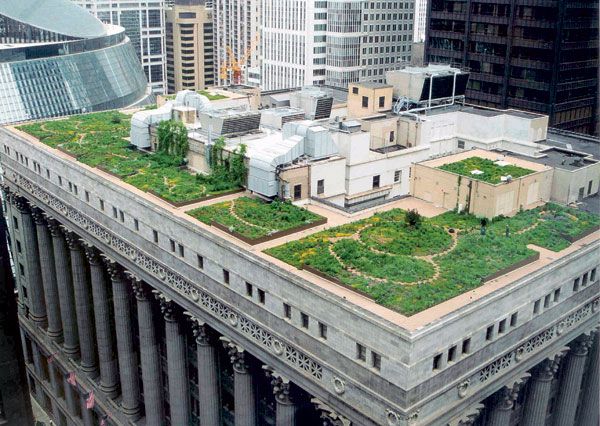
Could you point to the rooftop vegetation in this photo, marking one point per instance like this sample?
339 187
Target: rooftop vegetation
98 140
492 172
254 218
211 96
410 265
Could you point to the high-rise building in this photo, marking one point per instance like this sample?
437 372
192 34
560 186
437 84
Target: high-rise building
538 56
144 24
333 43
189 46
236 41
56 60
420 20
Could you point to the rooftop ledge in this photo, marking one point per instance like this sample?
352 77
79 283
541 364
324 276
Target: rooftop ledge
408 275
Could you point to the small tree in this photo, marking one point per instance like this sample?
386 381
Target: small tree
173 138
413 218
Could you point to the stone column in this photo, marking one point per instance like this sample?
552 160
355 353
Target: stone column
54 382
245 404
128 366
570 384
66 292
104 335
588 409
536 403
208 384
48 271
37 304
176 364
285 410
83 306
149 356
87 415
505 399
70 398
39 371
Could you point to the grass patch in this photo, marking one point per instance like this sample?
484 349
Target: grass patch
98 139
255 218
211 96
387 263
491 171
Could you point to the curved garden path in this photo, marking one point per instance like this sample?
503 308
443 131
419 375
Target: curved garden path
234 214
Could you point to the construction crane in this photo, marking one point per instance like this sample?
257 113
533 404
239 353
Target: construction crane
233 65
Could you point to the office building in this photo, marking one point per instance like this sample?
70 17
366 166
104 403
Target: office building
189 46
420 20
540 57
226 309
144 24
57 60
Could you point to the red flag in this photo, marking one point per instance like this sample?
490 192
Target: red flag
90 401
71 379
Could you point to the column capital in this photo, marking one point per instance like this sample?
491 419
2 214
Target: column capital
581 346
54 226
140 290
548 368
21 204
167 307
38 216
507 396
5 190
113 268
73 240
328 414
200 330
237 355
92 254
282 387
469 417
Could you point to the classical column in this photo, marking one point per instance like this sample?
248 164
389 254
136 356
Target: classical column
37 305
39 371
128 367
54 383
66 292
83 306
104 336
570 384
329 415
70 398
244 404
176 364
208 384
469 416
505 399
285 410
588 409
86 413
536 403
149 356
48 270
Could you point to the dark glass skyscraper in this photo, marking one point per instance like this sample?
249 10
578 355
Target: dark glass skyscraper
539 55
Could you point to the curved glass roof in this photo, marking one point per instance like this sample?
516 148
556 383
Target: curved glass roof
59 16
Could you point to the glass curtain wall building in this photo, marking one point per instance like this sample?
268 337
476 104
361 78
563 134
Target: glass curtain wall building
56 60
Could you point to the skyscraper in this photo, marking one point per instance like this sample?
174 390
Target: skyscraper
145 25
333 43
189 46
540 56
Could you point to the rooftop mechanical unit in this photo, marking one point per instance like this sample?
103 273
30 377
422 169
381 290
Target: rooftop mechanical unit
315 103
230 121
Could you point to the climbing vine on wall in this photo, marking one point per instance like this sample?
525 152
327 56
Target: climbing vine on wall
231 167
173 138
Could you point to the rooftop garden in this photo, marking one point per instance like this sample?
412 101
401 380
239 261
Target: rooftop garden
485 170
408 263
99 140
256 220
211 96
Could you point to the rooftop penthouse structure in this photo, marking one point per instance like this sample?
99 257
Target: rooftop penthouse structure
239 307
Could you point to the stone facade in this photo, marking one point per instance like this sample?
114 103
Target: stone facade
161 334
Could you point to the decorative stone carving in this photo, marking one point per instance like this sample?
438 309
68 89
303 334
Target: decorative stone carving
328 414
237 355
115 271
54 226
468 417
38 216
339 385
581 346
167 307
72 239
508 394
200 330
92 254
20 204
463 387
281 387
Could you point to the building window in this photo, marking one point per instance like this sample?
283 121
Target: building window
136 224
576 284
365 102
461 144
376 361
19 246
200 261
181 250
155 235
392 136
15 222
225 276
355 90
297 191
122 216
381 101
87 196
451 354
397 175
287 311
261 296
584 279
437 361
593 275
466 346
556 295
513 319
502 326
115 212
376 181
322 330
320 186
536 306
21 270
101 204
361 352
546 301
249 289
489 333
304 319
172 243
